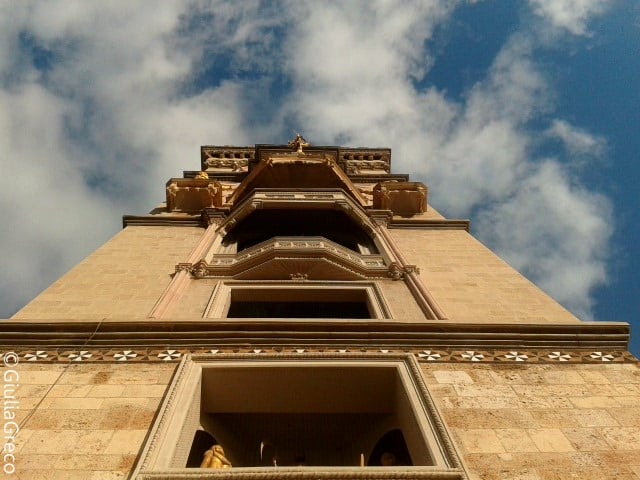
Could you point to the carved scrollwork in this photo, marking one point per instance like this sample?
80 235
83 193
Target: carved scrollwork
199 270
398 272
381 220
354 167
234 164
395 271
183 267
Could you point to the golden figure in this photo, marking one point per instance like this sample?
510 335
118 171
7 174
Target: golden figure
202 176
215 458
298 143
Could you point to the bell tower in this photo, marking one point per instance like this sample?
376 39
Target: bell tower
301 311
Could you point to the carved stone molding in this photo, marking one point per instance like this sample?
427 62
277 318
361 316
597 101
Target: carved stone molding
234 159
305 170
398 272
586 338
213 216
184 267
365 161
193 194
402 198
395 271
358 167
381 218
316 257
424 354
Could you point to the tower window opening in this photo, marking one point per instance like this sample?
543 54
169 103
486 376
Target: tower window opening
243 309
308 416
334 225
300 302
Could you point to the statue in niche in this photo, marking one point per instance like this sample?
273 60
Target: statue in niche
215 458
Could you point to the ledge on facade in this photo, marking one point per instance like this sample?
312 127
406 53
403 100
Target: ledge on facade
228 176
308 473
606 335
395 177
168 220
435 224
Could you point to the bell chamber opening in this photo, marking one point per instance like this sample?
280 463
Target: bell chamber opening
265 416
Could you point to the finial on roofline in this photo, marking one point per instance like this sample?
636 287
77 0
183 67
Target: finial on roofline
298 142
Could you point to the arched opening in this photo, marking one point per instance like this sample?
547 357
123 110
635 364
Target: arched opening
261 225
391 450
202 441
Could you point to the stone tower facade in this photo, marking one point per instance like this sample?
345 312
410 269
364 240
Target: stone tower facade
299 311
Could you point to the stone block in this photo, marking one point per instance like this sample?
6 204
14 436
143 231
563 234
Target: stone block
550 440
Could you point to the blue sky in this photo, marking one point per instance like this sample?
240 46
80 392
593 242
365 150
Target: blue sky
522 116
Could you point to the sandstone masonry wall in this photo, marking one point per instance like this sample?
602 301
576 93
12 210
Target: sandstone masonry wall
471 283
85 421
542 422
121 280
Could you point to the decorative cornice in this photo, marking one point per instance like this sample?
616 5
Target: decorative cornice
218 216
214 216
162 221
375 178
286 171
597 336
437 354
433 224
307 473
233 158
282 199
293 248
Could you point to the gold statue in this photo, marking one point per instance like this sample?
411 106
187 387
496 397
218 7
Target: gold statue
214 458
298 143
202 176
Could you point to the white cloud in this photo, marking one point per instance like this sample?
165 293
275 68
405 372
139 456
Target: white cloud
98 134
475 155
555 231
50 218
123 108
570 15
577 141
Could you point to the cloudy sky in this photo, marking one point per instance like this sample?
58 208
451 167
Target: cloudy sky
520 115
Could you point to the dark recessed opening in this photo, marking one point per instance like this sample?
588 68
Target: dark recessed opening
202 442
301 302
391 450
336 226
285 309
265 416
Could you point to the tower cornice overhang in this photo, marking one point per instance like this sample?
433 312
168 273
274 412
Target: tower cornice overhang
297 198
296 170
215 332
